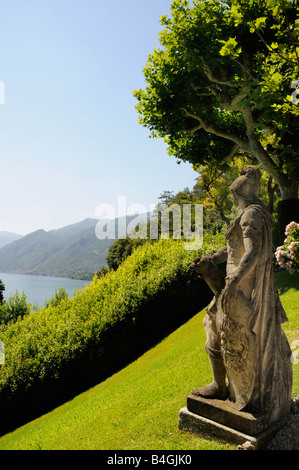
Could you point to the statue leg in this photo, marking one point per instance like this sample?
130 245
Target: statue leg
217 388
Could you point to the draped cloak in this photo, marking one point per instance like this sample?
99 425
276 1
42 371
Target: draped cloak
264 379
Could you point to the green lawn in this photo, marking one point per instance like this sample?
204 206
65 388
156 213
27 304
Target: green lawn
138 407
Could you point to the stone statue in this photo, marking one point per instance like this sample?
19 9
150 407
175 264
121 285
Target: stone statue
248 351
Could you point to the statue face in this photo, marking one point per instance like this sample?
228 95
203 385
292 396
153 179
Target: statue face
235 199
238 201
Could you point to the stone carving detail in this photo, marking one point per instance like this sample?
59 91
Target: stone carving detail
235 341
249 354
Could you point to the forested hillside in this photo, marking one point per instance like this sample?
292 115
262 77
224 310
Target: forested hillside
73 251
8 237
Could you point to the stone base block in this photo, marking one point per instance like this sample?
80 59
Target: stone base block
200 425
223 412
219 419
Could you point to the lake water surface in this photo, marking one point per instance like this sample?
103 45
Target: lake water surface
38 289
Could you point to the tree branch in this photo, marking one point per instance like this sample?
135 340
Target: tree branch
237 100
252 146
231 104
219 132
193 129
230 155
259 151
222 81
202 93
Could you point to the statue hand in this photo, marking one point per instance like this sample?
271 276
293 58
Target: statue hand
231 282
229 291
201 265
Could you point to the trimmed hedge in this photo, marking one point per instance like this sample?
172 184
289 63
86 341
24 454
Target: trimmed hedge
55 353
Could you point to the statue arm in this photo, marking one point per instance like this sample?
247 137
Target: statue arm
220 256
246 265
247 262
251 226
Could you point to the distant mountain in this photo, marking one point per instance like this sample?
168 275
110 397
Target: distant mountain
7 237
71 251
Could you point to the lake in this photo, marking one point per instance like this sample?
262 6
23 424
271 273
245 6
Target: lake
38 289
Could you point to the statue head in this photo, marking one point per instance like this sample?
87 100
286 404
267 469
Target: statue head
246 187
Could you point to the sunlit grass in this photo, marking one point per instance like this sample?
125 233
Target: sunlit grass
289 293
136 408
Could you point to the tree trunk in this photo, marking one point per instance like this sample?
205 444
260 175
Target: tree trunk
288 207
289 192
287 211
271 194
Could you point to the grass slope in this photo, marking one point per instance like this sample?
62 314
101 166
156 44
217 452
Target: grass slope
137 408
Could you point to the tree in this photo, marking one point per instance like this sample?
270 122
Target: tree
223 84
14 307
2 289
60 295
102 272
166 197
212 191
120 250
212 187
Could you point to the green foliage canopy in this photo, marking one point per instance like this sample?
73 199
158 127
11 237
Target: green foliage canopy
221 85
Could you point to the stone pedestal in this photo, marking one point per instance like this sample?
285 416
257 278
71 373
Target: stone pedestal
217 418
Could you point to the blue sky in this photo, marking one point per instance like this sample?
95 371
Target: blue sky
69 134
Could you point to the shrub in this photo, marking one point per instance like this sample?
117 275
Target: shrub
14 307
58 297
61 350
120 250
287 255
102 271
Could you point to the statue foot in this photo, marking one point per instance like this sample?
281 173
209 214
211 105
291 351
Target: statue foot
212 390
